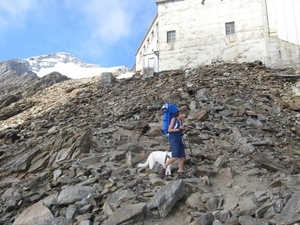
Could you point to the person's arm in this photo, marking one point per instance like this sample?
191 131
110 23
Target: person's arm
171 129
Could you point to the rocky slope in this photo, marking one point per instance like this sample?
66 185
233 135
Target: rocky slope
69 149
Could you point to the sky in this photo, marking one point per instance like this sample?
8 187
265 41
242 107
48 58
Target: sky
102 32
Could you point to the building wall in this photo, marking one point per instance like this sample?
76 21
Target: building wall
265 30
284 20
283 37
145 55
200 32
282 54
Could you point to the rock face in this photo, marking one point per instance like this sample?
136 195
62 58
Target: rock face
69 149
14 75
17 88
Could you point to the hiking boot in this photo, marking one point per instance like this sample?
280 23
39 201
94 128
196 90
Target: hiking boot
162 173
182 175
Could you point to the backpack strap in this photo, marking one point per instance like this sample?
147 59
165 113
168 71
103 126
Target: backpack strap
176 124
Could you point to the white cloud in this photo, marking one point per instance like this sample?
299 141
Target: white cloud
13 12
109 20
116 25
112 22
87 27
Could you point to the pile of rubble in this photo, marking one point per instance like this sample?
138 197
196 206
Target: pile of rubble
69 150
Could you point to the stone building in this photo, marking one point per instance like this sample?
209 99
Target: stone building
190 33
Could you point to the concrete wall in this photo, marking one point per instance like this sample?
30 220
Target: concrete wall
283 39
145 55
200 32
284 20
282 54
261 33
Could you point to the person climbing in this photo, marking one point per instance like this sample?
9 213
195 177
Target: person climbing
176 130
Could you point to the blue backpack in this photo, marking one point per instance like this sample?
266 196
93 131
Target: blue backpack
169 111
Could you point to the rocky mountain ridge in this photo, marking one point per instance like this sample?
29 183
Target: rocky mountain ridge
69 149
50 60
61 62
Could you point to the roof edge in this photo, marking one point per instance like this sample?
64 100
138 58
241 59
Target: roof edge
148 30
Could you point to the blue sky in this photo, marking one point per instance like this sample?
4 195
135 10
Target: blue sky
103 32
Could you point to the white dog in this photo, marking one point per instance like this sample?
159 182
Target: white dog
157 156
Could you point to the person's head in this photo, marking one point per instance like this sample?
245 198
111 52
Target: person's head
181 114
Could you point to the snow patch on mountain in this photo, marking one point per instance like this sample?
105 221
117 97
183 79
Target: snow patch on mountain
72 67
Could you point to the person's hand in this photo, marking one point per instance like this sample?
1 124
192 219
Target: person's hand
182 128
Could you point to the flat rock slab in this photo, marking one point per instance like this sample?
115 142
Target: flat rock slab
130 212
36 214
74 193
167 197
290 212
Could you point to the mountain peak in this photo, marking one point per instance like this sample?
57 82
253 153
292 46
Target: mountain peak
68 65
65 64
63 57
44 63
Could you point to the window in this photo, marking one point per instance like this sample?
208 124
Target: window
171 36
229 28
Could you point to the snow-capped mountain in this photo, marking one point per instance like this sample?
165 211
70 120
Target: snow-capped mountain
70 66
